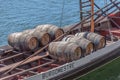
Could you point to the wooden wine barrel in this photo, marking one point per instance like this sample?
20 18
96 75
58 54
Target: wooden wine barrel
28 42
98 40
53 30
64 51
22 42
82 34
86 45
13 40
43 37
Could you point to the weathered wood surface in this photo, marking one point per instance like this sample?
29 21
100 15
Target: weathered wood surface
27 61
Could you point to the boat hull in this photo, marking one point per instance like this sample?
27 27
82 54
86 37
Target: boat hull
71 68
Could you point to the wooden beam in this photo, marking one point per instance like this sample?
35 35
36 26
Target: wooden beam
7 77
22 69
27 61
10 57
92 18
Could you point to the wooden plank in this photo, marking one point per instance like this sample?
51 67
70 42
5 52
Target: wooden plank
22 70
11 56
27 61
7 77
6 47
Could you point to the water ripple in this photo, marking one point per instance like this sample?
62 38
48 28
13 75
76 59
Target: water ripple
18 15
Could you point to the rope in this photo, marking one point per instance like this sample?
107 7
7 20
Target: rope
61 18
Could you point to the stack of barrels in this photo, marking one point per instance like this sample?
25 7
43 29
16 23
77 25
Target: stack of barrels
34 38
73 47
84 44
97 40
70 48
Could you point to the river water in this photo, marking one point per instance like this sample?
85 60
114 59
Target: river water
18 15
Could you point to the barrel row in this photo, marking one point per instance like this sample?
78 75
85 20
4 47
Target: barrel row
70 48
84 44
34 38
73 47
98 40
